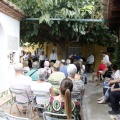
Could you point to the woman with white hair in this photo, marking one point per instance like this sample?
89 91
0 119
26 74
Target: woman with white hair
78 85
33 72
68 61
47 68
40 84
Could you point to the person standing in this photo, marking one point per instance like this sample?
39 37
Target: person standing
106 58
42 59
53 56
90 61
30 60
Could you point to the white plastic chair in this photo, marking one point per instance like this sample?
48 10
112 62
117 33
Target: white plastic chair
40 98
6 116
55 85
54 116
14 92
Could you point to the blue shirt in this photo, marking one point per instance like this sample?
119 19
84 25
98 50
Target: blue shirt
33 74
64 70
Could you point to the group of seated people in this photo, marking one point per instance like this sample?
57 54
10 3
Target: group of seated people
111 91
103 68
67 94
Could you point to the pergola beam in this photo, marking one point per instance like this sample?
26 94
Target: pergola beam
77 20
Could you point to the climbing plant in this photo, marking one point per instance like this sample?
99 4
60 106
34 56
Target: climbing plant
62 32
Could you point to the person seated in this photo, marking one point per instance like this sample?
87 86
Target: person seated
33 72
68 61
114 96
115 75
47 68
82 71
63 68
106 58
25 67
63 104
22 82
56 76
78 85
101 69
41 85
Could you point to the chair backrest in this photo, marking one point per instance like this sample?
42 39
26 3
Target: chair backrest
55 83
41 96
54 116
6 116
76 94
11 117
19 92
108 74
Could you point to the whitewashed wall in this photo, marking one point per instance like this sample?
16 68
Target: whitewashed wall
9 36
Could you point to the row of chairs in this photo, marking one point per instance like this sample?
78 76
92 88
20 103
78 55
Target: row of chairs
37 102
46 116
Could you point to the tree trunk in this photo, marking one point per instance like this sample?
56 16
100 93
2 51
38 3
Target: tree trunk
62 46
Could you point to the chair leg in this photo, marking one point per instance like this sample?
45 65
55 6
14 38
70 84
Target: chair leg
33 111
10 108
30 111
18 109
27 111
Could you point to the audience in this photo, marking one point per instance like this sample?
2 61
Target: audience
62 104
22 82
78 85
41 85
56 77
115 75
82 71
63 68
68 61
115 96
101 68
47 68
33 72
106 58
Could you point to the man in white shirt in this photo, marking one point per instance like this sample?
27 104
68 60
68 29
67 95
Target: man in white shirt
90 61
42 58
22 82
26 56
53 56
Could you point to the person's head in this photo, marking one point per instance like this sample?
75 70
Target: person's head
104 53
42 74
18 68
42 52
72 70
66 87
57 61
51 64
56 67
103 62
68 61
81 60
53 51
35 65
62 62
77 64
114 67
46 64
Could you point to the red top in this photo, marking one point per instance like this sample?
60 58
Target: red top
101 68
